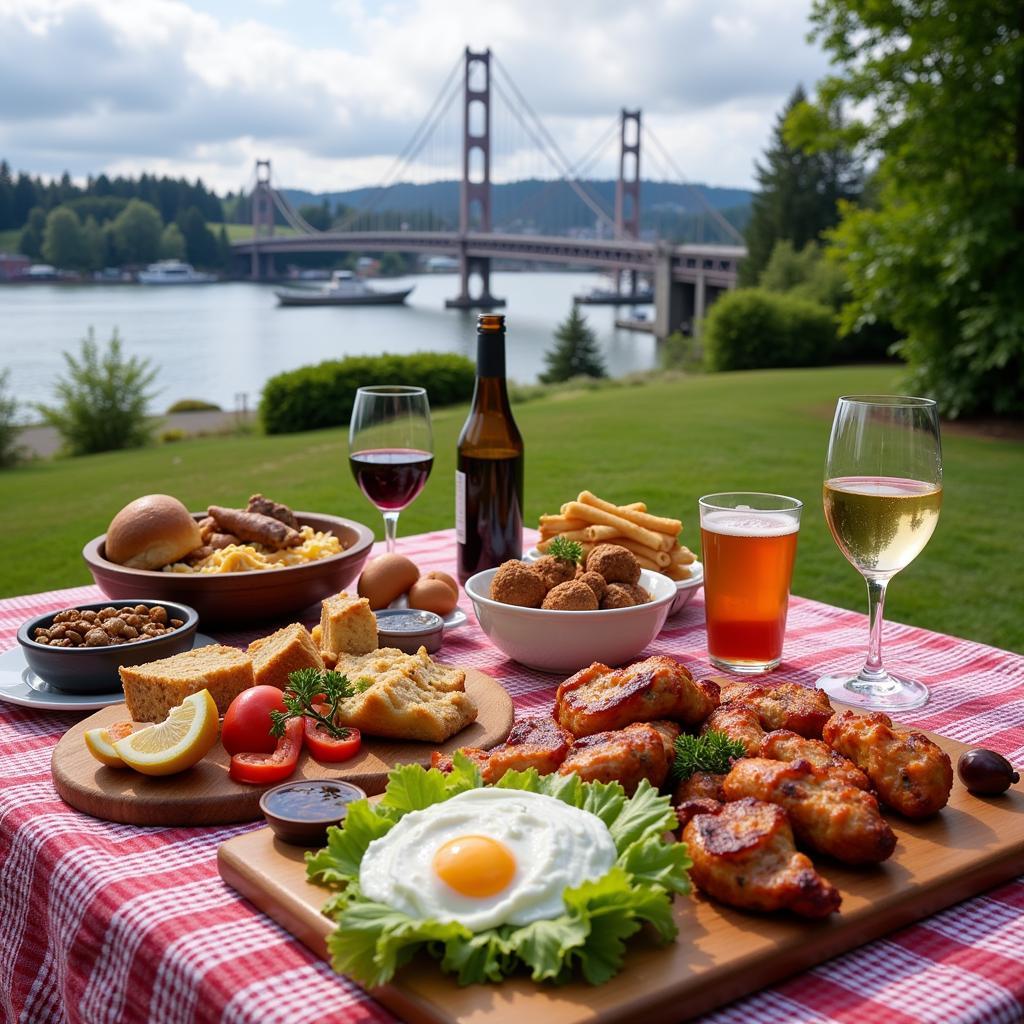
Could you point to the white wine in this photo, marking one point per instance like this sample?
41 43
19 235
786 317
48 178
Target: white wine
881 523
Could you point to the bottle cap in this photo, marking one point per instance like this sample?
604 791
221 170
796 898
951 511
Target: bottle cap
489 323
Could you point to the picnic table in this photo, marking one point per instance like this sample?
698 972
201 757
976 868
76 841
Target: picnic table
102 922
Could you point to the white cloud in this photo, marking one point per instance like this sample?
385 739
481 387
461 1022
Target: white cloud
333 92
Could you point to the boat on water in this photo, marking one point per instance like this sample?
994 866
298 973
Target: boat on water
343 289
173 272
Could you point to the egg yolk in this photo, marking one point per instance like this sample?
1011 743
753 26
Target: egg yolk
475 866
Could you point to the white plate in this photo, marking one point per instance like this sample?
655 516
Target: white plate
20 685
685 589
452 620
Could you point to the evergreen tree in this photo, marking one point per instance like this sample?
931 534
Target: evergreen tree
31 241
6 197
95 247
227 256
576 352
200 244
799 193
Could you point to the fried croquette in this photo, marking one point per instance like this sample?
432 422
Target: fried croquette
599 698
516 583
743 855
619 595
554 570
595 581
827 815
623 755
784 745
738 722
911 774
616 564
571 596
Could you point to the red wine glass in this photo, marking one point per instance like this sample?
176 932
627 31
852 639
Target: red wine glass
390 449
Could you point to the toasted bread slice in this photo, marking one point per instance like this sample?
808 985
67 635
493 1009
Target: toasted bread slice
274 657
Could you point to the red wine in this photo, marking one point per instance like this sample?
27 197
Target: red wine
489 479
391 477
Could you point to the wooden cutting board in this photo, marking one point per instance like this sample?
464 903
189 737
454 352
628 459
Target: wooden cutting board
205 795
720 955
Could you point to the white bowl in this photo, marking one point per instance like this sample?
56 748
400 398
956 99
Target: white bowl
685 589
556 641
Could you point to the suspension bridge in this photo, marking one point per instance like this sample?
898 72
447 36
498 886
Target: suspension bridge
685 279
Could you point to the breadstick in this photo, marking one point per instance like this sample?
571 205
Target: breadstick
543 545
599 517
657 523
682 556
598 533
577 535
559 523
678 572
646 563
657 558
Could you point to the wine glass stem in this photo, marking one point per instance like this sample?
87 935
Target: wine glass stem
876 608
390 531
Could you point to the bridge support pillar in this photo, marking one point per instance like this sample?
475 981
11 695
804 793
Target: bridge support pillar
669 295
479 267
262 219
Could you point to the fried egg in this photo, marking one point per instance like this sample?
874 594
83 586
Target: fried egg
487 857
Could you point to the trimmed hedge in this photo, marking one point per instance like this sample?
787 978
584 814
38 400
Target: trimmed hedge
313 397
751 329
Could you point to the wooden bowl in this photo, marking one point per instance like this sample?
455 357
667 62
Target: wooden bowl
241 598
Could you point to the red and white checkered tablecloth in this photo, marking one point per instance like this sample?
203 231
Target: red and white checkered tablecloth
105 923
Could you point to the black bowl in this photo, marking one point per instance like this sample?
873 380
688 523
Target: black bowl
94 669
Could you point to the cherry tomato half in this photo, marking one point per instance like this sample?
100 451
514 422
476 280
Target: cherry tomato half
325 747
261 768
246 728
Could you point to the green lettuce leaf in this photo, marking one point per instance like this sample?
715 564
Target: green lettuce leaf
372 941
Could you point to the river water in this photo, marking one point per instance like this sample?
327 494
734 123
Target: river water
220 342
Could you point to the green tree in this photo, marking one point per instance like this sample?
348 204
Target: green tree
940 253
30 241
10 451
137 230
172 243
102 403
226 256
95 246
799 192
576 352
200 244
64 243
806 274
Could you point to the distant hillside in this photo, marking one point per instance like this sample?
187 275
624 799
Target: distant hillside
551 207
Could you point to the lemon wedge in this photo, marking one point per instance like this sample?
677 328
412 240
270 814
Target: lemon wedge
100 743
180 741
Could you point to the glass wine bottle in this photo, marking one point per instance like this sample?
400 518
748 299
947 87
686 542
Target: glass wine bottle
489 474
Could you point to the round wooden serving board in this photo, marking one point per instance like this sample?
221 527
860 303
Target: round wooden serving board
205 795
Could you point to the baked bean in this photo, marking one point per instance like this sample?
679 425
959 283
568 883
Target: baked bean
89 615
158 614
73 628
177 623
130 633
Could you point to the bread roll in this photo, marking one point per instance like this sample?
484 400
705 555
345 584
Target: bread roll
151 532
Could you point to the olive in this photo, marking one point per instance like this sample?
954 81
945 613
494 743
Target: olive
985 771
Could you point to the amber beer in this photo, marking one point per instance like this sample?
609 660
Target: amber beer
749 547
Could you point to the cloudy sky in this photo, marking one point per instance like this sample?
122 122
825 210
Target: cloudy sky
334 91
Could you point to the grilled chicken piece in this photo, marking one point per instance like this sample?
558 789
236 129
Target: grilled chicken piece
701 793
783 745
802 709
539 743
738 722
827 815
743 855
911 774
669 732
598 698
622 755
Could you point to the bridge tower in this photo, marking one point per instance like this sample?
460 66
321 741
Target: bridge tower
262 215
627 188
475 188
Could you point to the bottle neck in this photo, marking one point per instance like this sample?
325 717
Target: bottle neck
490 354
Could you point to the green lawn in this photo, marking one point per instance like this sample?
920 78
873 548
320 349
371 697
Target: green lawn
243 232
665 442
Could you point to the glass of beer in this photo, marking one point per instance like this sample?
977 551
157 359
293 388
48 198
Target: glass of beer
749 547
882 495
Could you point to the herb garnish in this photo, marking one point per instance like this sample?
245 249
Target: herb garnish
567 550
305 686
713 752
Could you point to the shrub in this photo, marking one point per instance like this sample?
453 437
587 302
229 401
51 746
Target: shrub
172 435
103 400
193 405
681 352
10 451
313 397
751 328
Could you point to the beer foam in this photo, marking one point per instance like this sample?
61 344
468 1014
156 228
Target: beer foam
745 523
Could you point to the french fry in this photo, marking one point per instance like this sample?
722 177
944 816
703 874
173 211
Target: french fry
678 572
599 517
682 556
657 558
646 563
600 533
659 524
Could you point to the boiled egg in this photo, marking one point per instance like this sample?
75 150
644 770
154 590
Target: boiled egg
487 857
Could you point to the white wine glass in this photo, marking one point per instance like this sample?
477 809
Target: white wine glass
882 495
390 449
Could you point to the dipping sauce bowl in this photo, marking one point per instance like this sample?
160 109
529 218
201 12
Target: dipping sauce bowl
409 629
301 812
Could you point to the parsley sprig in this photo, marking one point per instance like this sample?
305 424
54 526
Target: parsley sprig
568 550
300 699
713 752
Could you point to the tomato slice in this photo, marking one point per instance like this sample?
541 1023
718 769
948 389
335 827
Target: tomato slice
276 767
325 747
